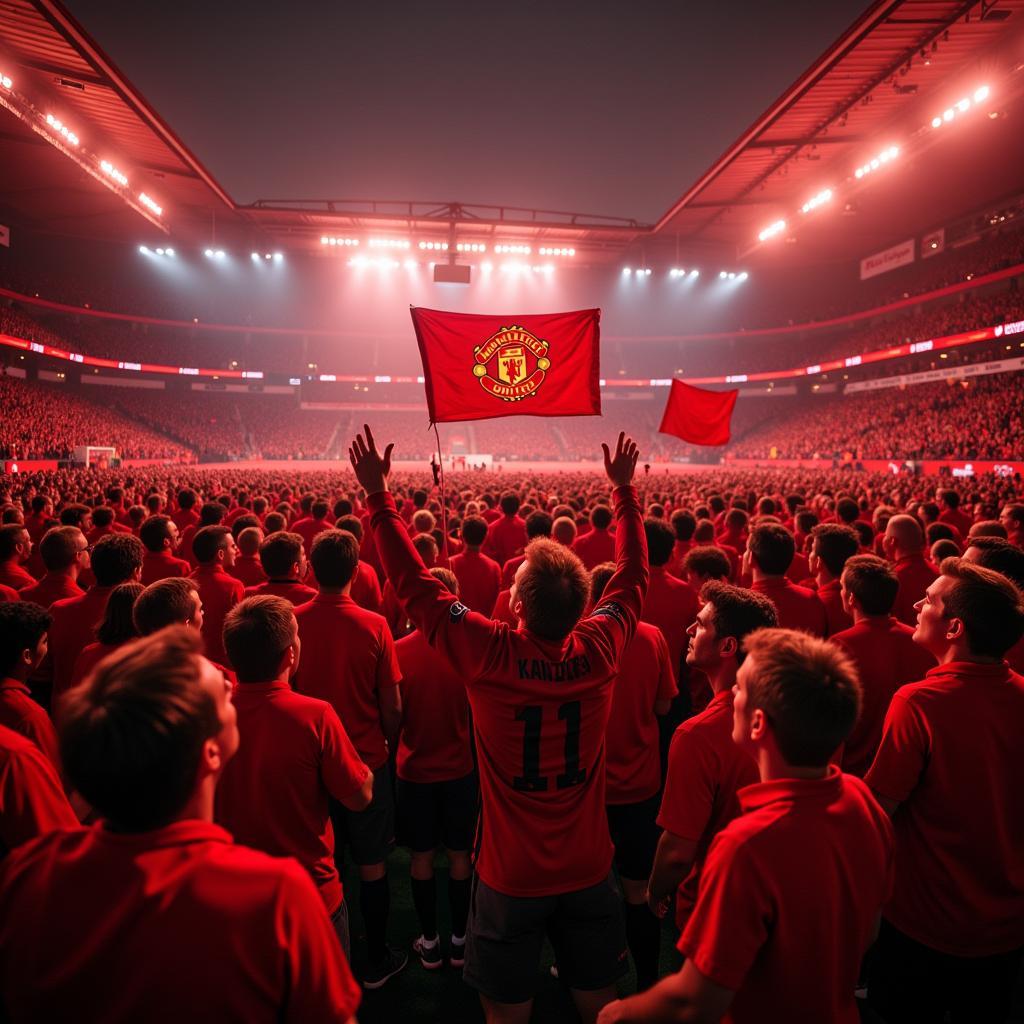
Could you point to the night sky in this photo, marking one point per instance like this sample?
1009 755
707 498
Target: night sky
593 107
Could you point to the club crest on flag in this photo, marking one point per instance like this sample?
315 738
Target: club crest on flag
511 364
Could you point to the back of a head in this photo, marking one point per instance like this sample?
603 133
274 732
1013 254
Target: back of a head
154 531
447 577
772 548
738 612
805 520
509 503
118 622
249 541
553 589
906 533
1000 556
834 544
132 735
274 522
319 509
847 510
538 524
704 533
115 558
351 524
22 625
257 632
601 517
807 688
246 522
211 513
938 531
102 516
168 602
949 498
11 535
423 520
334 557
74 514
737 520
208 541
474 530
708 563
661 541
187 498
59 547
426 547
989 605
987 528
872 581
563 530
599 577
943 548
684 524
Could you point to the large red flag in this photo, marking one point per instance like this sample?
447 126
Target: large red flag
478 367
698 416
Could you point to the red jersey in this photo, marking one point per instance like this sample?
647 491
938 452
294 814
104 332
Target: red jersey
162 565
706 771
54 586
508 571
804 855
506 538
479 580
645 677
366 588
916 574
886 658
15 576
184 518
540 711
348 657
799 569
220 592
32 800
273 795
838 619
248 569
502 609
960 521
20 713
73 628
595 547
797 607
309 528
92 654
291 590
950 754
671 605
247 935
434 744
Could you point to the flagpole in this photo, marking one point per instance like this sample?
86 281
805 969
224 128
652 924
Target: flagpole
444 504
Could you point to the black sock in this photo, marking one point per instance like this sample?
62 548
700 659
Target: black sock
424 898
375 903
643 934
458 900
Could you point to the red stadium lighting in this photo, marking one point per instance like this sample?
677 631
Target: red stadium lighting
626 271
151 204
513 250
331 240
6 81
548 251
773 229
872 165
112 172
62 130
814 202
471 247
439 246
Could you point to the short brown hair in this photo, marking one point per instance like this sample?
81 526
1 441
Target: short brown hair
257 632
131 736
772 548
334 557
474 530
59 547
737 612
553 588
279 552
447 577
709 561
834 544
873 582
987 603
208 541
249 540
599 577
164 603
808 689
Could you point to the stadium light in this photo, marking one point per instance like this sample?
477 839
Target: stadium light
873 164
824 196
626 271
471 247
439 246
548 251
722 275
62 130
278 257
332 240
169 252
773 229
214 254
254 256
694 273
112 172
513 250
961 106
151 204
6 81
742 276
676 272
486 266
390 243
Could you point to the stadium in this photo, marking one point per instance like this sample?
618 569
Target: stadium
801 313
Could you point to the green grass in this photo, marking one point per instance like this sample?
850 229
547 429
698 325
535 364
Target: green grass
418 995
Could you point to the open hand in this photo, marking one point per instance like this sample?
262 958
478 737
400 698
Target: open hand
621 466
371 468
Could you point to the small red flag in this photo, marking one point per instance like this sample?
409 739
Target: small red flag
479 367
698 416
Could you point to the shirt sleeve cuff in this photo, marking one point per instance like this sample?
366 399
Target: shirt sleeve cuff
380 500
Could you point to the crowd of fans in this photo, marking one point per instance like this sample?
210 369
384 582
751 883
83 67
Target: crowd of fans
775 703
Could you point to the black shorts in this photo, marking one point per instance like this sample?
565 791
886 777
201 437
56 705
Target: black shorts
369 833
505 934
634 831
433 814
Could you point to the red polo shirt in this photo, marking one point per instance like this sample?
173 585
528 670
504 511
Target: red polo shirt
788 899
950 755
15 576
633 759
291 590
502 609
54 586
797 607
366 588
671 605
73 628
273 795
706 770
595 547
506 538
886 658
540 711
830 595
434 745
479 580
248 569
916 575
191 927
220 592
348 657
32 800
19 712
162 565
185 517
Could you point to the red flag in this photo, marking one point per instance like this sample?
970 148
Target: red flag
697 415
479 367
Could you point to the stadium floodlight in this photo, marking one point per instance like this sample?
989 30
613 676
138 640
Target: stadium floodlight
773 229
626 271
391 243
513 250
824 196
431 246
278 257
545 250
411 264
254 256
160 252
742 276
6 81
936 122
722 275
981 94
169 252
151 204
112 172
62 130
486 266
470 247
890 153
961 106
694 273
332 240
144 249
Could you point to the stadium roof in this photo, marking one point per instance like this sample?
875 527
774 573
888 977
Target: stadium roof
884 75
